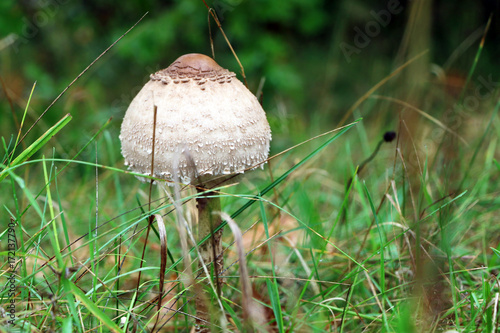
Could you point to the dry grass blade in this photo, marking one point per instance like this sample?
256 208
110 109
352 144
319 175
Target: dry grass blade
19 126
9 99
423 113
151 218
163 265
476 60
163 240
79 75
495 311
463 47
155 112
211 11
374 292
186 233
250 310
305 266
182 227
378 85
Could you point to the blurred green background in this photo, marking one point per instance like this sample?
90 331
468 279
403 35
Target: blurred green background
315 59
297 46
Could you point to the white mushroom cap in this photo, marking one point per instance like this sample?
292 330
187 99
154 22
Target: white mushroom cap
205 116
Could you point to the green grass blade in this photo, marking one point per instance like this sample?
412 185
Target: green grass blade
382 258
68 285
476 60
345 311
272 286
284 176
54 237
37 145
92 307
22 121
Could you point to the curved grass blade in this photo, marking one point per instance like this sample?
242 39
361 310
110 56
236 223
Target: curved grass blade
37 145
163 265
22 123
476 59
80 295
249 310
68 286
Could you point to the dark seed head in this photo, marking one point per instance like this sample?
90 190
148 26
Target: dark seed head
389 136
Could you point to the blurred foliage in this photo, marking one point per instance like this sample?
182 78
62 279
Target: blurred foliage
293 44
298 48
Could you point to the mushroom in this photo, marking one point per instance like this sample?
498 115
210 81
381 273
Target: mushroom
209 126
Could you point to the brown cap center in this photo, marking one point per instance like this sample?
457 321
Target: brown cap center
195 64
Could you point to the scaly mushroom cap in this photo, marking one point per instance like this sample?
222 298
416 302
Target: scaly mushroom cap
205 117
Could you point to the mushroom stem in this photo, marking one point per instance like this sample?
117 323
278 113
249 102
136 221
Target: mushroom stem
208 203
